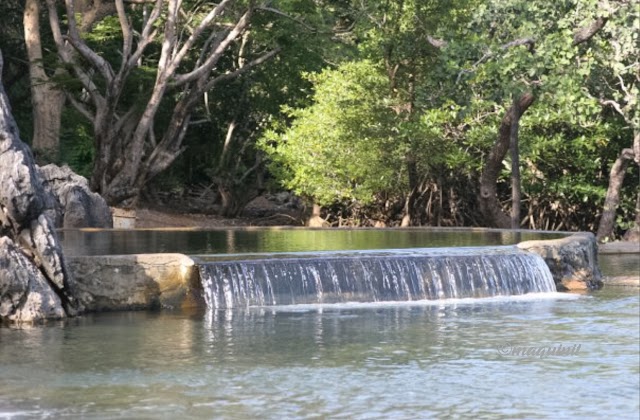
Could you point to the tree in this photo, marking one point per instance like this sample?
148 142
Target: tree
363 137
460 74
616 85
47 99
523 52
340 147
129 149
231 160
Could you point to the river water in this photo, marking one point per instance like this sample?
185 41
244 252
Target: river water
534 356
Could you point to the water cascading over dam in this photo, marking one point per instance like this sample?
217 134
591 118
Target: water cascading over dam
373 276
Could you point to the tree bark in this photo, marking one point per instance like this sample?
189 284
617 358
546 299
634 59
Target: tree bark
315 220
488 201
47 101
516 192
633 234
612 199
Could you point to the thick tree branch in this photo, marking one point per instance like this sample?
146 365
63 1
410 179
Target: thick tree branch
529 42
217 52
188 44
149 32
618 108
95 12
127 33
81 108
65 54
488 198
248 66
280 13
74 39
585 33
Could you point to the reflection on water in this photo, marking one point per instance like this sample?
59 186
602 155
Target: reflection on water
77 242
619 264
442 359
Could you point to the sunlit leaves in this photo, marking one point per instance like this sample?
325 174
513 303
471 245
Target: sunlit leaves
337 148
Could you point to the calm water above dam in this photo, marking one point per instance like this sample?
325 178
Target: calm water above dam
240 241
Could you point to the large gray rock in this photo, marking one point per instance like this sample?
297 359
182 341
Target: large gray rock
33 267
72 203
573 260
25 295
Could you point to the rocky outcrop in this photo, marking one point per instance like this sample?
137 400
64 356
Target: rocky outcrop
72 203
33 267
25 294
133 282
573 260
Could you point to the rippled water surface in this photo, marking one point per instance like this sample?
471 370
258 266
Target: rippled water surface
467 358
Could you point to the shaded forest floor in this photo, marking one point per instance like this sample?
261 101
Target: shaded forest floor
262 211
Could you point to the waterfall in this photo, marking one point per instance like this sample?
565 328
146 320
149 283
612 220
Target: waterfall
400 275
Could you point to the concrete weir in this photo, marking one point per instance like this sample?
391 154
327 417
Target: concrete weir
153 281
135 282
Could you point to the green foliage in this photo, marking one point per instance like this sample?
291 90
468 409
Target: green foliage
338 148
76 143
449 103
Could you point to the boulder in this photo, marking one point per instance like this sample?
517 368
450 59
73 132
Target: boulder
573 260
33 274
71 202
25 295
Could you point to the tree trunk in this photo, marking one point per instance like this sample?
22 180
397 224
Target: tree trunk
488 196
315 220
412 171
633 234
47 101
612 199
516 192
235 198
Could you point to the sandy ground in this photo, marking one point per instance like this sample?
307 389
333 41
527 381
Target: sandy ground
155 218
148 218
